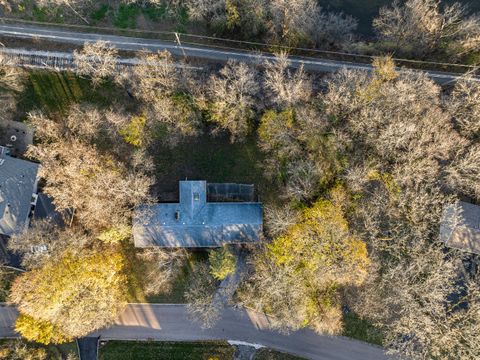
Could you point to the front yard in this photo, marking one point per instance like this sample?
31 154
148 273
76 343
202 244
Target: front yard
150 350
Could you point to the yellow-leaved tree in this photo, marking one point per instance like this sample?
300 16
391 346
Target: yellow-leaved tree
299 274
70 296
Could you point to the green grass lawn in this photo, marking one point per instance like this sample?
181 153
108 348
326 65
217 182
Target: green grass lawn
357 328
55 91
269 354
214 159
130 350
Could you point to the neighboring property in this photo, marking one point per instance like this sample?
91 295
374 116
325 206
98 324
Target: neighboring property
460 226
18 187
16 136
195 222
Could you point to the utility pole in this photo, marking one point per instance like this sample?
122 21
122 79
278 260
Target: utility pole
177 40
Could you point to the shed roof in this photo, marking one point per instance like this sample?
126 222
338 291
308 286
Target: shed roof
194 222
460 226
18 180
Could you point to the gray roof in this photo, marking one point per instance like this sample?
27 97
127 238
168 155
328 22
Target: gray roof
18 181
194 222
460 226
45 210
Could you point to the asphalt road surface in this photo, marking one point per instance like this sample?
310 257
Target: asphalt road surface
201 52
170 322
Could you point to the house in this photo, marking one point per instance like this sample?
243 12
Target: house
195 222
460 226
18 187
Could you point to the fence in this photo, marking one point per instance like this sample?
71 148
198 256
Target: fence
60 61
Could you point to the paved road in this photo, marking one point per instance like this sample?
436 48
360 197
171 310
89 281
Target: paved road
170 322
202 52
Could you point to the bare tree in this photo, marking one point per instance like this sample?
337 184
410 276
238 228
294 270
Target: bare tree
277 137
418 27
154 75
21 350
202 304
279 219
233 93
293 20
74 5
213 12
97 60
464 104
464 171
165 266
72 166
45 242
333 30
12 79
302 181
160 84
11 76
301 148
288 87
300 22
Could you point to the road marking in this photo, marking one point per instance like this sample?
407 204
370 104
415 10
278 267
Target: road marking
243 343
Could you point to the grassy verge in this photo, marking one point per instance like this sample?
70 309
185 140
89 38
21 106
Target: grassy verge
130 350
269 354
6 281
360 329
29 350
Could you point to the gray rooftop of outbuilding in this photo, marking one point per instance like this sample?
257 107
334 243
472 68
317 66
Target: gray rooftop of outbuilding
18 180
194 222
460 226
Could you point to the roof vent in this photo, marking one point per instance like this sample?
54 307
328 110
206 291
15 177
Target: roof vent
196 196
177 215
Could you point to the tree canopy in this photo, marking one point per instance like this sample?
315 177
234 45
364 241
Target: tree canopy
70 296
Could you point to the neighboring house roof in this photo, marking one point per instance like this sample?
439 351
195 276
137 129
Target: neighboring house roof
45 210
195 222
460 226
18 182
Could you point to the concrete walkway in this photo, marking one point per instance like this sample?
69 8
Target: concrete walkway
87 348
